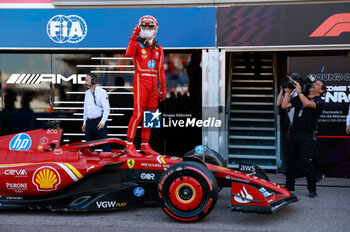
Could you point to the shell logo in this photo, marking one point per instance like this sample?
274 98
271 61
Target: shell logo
46 179
143 51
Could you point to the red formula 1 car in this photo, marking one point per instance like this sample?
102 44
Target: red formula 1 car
37 173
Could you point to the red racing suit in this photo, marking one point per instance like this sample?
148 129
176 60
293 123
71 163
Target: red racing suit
149 72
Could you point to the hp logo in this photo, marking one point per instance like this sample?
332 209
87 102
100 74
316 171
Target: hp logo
20 142
200 149
151 64
139 191
62 29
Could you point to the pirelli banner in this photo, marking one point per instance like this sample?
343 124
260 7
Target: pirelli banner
283 25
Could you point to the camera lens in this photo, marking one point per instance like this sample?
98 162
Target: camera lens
287 83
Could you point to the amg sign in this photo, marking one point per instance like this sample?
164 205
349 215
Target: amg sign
42 78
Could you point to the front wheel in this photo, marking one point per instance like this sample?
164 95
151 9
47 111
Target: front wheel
188 191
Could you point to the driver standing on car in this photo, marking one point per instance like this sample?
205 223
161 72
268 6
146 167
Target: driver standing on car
148 59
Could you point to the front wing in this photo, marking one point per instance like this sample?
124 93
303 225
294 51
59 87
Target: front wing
251 198
250 193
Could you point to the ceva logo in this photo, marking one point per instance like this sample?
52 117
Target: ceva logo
333 26
20 142
62 29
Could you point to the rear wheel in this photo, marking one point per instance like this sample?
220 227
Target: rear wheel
187 191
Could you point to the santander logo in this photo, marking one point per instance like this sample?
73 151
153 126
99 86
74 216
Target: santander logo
244 197
333 26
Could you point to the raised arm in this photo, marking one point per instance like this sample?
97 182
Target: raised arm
131 48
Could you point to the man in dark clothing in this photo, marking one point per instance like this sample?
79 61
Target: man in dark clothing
302 141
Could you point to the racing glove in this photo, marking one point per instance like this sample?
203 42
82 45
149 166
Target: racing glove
131 48
136 31
162 93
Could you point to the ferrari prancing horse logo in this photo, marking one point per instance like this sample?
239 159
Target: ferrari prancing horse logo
130 163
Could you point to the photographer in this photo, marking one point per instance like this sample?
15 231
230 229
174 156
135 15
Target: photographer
302 141
287 82
287 122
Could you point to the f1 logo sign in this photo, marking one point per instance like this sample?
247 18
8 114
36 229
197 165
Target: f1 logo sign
333 26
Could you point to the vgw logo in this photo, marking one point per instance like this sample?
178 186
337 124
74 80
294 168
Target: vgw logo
20 142
151 119
62 29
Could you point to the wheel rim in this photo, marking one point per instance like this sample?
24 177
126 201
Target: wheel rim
185 193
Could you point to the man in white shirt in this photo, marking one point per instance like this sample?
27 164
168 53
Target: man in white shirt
96 111
348 122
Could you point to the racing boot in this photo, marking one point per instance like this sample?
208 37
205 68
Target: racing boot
131 150
146 148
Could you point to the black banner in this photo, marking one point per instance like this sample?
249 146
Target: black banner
278 25
333 142
335 72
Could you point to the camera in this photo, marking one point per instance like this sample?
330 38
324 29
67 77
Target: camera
287 83
304 82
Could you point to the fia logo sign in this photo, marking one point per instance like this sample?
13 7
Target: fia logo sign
151 119
20 142
62 29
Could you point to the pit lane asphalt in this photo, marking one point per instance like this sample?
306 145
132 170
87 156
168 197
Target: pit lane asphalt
330 211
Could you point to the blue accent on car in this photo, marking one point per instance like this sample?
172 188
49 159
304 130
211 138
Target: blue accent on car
200 149
139 192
